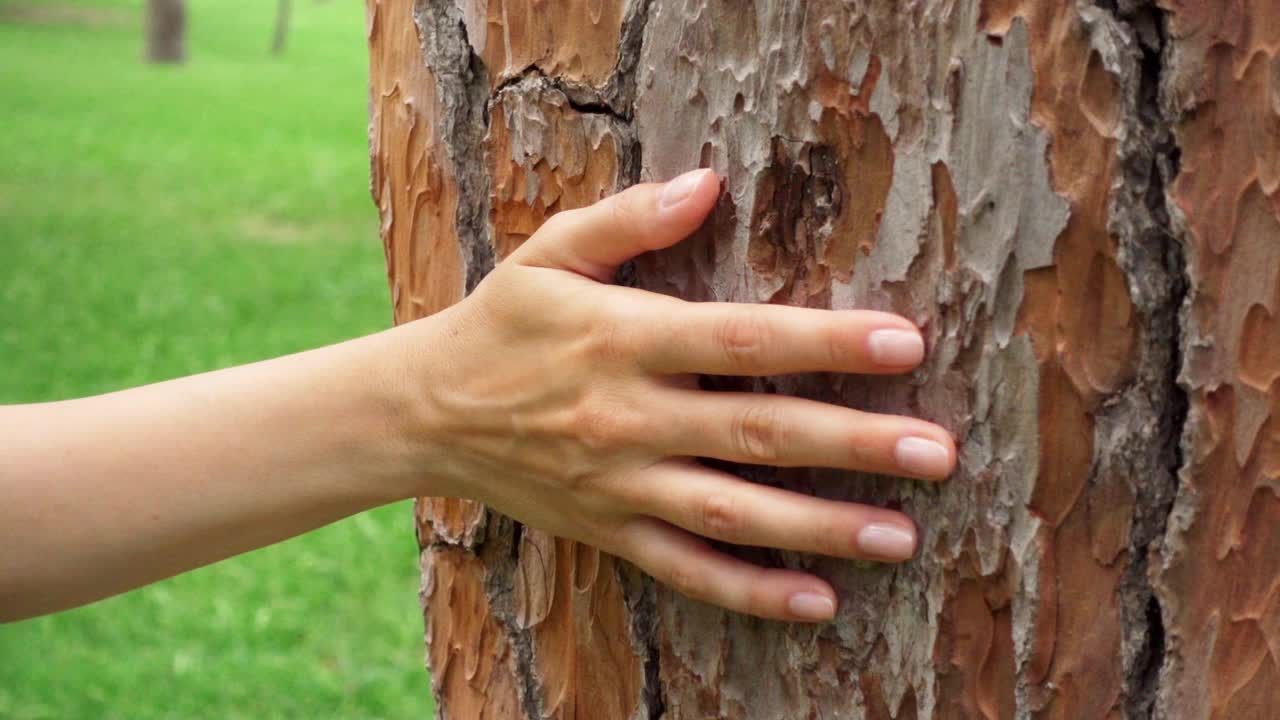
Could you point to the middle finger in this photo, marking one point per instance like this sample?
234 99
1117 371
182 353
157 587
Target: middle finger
762 429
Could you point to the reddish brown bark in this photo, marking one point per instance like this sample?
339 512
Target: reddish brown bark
1219 576
1038 185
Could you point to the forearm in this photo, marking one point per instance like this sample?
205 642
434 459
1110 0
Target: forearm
107 493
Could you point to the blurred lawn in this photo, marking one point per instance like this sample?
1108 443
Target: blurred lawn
160 221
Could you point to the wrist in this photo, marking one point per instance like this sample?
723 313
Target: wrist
408 356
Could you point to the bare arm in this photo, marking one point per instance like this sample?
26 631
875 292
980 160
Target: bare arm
562 401
107 493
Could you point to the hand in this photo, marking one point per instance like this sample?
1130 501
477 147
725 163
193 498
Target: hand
572 405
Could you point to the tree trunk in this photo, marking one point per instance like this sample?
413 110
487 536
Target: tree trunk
284 9
166 31
1079 202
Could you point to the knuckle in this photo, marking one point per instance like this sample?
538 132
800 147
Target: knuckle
614 337
596 428
839 346
756 600
683 578
559 223
757 433
829 536
623 213
721 517
742 338
608 427
860 456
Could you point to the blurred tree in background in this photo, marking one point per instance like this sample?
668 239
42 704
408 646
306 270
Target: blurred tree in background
166 31
283 10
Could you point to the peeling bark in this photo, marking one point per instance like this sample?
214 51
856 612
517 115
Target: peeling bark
1079 204
1218 576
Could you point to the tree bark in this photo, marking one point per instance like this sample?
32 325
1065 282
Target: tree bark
1078 201
166 31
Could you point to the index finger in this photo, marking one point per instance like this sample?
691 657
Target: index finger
759 339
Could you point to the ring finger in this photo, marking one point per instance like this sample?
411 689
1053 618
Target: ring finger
717 505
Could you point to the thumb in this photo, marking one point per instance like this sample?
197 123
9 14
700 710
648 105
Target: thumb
594 240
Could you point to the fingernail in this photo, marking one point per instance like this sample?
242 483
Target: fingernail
919 456
892 542
811 606
677 190
896 347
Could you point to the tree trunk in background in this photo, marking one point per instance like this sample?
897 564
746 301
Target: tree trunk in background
1079 202
283 11
166 31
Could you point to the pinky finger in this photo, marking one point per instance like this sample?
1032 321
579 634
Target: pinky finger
688 564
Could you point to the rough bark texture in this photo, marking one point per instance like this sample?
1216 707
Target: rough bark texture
1078 201
1218 577
166 31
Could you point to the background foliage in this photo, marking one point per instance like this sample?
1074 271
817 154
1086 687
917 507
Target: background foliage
161 221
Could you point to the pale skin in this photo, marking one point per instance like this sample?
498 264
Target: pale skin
555 397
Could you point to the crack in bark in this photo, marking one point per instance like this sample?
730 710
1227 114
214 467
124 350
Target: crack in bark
619 101
527 671
642 608
503 564
584 99
439 543
463 89
1154 261
622 84
462 86
616 98
1167 157
622 91
467 99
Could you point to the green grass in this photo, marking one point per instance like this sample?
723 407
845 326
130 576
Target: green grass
161 221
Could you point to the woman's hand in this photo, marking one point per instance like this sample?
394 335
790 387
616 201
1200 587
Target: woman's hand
565 402
572 405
